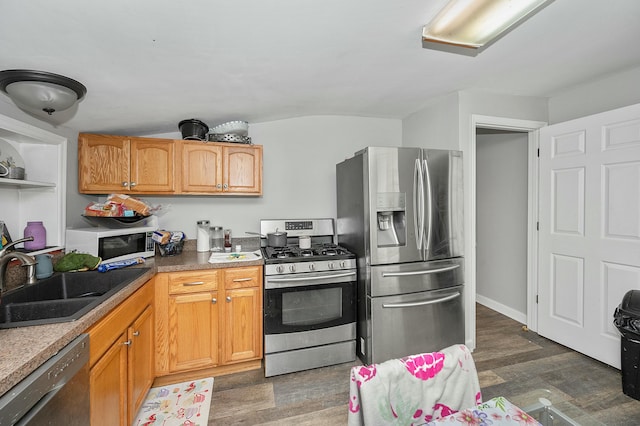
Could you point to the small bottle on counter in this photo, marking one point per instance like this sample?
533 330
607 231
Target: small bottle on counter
227 240
202 239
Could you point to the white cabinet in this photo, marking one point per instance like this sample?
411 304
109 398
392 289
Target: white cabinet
41 195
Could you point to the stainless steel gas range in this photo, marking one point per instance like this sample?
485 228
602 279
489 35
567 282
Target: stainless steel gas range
309 297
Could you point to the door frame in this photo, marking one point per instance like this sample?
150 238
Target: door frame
516 125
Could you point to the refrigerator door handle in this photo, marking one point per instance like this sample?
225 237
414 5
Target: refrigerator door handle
418 203
421 272
423 303
428 209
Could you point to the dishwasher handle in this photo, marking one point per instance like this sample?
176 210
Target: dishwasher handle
421 272
423 303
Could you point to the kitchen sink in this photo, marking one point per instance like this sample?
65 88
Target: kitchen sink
63 297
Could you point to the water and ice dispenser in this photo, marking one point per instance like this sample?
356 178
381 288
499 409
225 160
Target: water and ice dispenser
390 218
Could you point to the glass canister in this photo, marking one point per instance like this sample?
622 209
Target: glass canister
38 232
202 240
217 238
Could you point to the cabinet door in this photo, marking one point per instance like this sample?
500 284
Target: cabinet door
193 330
152 165
243 169
108 384
103 163
243 314
243 331
201 167
141 369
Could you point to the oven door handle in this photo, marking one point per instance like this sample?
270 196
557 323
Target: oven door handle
423 303
323 277
422 272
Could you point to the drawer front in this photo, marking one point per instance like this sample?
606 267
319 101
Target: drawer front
193 282
243 277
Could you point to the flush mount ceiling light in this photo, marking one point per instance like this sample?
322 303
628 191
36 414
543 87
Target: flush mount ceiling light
470 26
40 90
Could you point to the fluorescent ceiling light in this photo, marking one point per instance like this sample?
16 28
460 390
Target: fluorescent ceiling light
470 26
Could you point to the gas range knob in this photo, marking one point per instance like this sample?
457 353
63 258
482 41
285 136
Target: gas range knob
331 265
312 266
279 269
292 268
343 264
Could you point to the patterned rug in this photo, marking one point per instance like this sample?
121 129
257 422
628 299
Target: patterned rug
179 404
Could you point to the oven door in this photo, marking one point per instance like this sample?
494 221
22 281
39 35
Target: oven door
311 301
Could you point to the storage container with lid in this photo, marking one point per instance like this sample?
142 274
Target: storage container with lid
202 240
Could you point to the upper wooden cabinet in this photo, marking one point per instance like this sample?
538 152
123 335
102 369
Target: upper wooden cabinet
109 164
220 168
125 164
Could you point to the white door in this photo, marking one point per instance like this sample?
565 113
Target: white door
589 229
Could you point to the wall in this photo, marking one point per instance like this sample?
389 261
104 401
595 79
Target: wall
615 91
435 126
501 221
300 155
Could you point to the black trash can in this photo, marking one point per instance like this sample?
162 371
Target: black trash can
627 319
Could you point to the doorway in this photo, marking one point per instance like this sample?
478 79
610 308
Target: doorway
501 221
469 146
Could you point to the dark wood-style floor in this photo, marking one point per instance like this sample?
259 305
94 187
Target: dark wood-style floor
511 362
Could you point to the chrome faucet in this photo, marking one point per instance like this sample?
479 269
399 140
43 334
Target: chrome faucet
6 255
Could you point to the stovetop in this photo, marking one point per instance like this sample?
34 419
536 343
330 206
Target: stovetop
317 252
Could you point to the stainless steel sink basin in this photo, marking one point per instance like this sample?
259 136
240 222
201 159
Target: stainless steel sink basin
63 297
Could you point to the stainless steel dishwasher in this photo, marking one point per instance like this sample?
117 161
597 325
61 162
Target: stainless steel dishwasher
56 393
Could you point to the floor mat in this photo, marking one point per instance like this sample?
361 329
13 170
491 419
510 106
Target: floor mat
179 404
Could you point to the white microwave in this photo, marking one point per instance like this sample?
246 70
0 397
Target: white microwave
112 244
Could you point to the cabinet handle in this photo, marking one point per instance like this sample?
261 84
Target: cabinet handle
136 333
133 184
239 280
127 343
214 300
228 298
218 186
193 283
225 186
125 184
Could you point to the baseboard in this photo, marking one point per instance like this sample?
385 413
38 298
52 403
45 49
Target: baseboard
502 309
208 372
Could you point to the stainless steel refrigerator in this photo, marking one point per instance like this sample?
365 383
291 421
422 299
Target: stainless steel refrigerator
400 210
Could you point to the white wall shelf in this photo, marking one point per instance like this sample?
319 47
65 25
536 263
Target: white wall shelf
19 183
42 195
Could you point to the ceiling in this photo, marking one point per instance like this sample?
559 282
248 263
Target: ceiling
148 64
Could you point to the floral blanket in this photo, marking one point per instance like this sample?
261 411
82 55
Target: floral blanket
414 390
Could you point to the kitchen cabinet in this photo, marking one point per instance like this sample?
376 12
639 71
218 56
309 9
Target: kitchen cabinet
208 319
193 320
243 316
41 195
220 168
137 165
122 350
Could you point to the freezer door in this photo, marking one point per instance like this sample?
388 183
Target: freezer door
406 278
415 323
443 206
392 192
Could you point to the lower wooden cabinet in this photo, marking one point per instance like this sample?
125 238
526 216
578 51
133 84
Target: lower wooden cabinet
207 319
121 359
